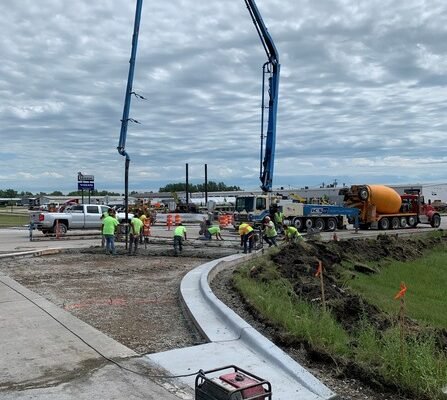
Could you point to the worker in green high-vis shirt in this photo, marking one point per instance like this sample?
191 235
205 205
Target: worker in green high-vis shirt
179 235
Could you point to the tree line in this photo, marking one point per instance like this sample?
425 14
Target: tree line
171 187
10 193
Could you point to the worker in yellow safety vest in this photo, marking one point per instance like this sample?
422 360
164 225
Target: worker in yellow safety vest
179 235
247 236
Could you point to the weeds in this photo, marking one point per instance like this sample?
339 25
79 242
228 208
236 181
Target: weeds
417 366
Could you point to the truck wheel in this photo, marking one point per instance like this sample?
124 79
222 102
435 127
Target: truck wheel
60 229
319 224
435 221
45 231
309 223
403 222
364 227
298 223
412 222
364 194
395 223
331 224
384 224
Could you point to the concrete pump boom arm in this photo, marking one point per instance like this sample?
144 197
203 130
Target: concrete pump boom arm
272 68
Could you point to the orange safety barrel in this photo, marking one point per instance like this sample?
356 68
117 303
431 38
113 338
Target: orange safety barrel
169 221
222 220
147 227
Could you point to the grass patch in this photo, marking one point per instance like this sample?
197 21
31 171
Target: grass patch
416 365
426 280
8 220
273 297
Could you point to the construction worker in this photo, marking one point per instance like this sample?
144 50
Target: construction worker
110 225
247 236
270 232
278 218
179 235
143 217
291 234
103 239
213 230
136 227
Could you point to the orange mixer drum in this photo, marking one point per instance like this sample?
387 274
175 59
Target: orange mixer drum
386 199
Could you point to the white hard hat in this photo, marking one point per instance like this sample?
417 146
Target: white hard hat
267 218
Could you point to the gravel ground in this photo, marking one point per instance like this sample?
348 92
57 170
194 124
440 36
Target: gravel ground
135 300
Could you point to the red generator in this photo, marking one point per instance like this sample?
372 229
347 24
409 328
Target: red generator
231 383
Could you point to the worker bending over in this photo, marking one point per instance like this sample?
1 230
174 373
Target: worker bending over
270 232
213 230
247 237
291 234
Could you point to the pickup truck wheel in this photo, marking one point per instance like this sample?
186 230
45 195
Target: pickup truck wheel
435 221
45 231
60 229
384 224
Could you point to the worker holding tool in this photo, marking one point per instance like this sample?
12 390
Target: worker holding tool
136 227
247 236
270 232
179 235
291 234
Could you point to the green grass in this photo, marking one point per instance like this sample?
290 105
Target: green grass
12 220
415 364
426 281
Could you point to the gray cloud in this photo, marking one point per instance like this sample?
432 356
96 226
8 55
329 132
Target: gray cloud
362 92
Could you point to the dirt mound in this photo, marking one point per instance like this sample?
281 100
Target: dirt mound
298 264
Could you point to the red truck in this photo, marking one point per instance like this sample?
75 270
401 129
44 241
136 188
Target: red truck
383 208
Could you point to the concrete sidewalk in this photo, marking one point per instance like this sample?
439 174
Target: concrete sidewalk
49 354
234 342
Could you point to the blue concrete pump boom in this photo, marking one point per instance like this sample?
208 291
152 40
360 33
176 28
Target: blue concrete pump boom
124 121
270 68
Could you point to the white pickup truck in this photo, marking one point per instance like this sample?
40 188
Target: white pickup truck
82 216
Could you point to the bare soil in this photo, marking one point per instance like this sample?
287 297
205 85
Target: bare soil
133 299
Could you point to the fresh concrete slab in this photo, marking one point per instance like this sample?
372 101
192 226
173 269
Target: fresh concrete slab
49 354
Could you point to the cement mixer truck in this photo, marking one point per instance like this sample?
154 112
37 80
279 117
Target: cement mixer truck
381 207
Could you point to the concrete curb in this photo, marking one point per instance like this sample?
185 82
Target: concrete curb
32 253
240 329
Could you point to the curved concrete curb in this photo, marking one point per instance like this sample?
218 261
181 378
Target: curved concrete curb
219 323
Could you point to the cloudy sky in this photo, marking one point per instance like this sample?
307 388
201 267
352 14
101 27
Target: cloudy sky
363 92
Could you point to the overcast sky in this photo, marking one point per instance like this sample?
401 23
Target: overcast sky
362 92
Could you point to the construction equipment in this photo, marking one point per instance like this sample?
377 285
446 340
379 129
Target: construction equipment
383 208
270 70
235 385
254 208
